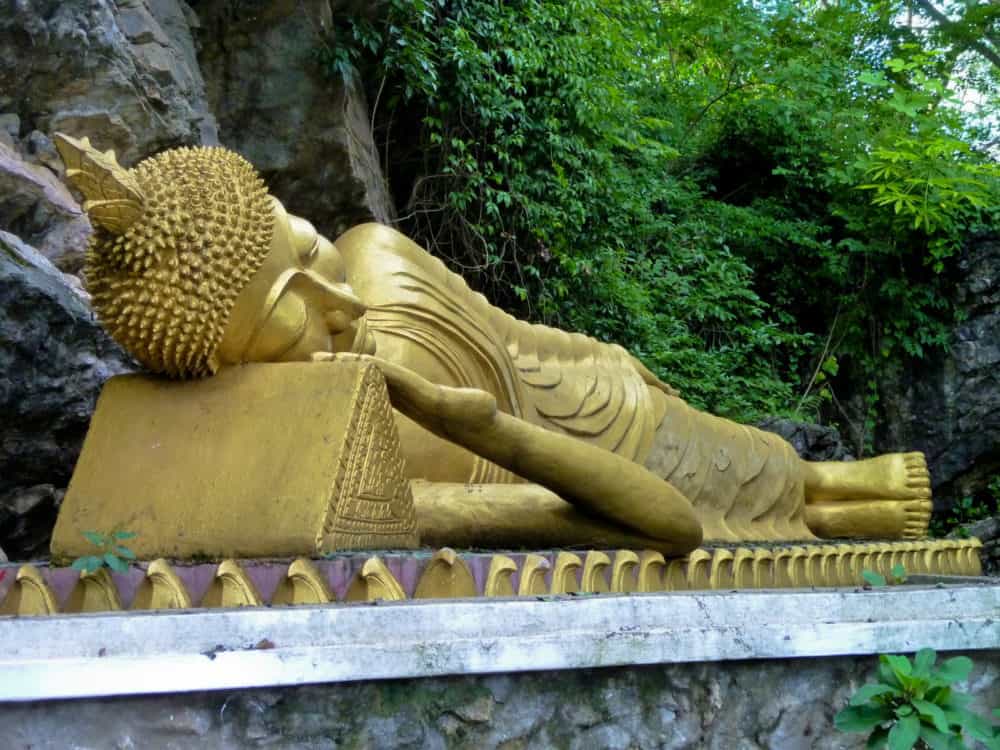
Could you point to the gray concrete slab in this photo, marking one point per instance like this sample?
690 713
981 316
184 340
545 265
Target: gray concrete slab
124 653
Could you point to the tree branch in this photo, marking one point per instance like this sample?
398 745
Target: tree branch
978 45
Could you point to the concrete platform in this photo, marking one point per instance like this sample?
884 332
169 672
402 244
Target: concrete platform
133 653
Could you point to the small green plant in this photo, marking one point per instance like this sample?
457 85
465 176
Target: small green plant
967 510
110 552
913 705
896 577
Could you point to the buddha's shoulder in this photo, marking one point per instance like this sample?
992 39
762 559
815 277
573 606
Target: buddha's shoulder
389 267
371 241
378 250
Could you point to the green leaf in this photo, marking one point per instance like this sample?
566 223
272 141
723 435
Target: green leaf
115 563
899 572
938 694
904 733
932 712
121 535
936 740
954 700
867 692
124 552
923 661
873 578
886 673
861 718
955 669
977 727
94 538
876 79
900 665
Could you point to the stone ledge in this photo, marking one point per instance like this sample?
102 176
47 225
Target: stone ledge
163 652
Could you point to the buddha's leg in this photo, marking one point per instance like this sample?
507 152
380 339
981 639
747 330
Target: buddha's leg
884 497
744 483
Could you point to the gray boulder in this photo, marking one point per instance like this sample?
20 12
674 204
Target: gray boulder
309 134
27 516
123 73
813 442
54 358
36 206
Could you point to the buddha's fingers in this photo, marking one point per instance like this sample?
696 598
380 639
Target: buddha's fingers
433 406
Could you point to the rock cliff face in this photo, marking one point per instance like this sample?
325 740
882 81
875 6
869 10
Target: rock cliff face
812 442
54 357
949 406
123 73
309 135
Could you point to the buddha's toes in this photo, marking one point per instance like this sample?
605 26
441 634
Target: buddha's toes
917 516
904 476
894 476
909 517
886 518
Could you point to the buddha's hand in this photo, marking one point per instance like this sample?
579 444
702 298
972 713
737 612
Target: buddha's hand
440 409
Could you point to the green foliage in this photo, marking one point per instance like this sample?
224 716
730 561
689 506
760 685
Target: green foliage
913 704
111 552
968 509
875 579
748 195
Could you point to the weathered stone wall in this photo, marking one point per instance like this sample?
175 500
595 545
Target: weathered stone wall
756 705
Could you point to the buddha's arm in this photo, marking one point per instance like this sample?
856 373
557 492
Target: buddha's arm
590 477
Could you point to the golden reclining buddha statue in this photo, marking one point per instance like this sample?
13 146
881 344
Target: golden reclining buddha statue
195 269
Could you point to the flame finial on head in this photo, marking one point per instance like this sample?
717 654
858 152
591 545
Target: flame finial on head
113 197
176 239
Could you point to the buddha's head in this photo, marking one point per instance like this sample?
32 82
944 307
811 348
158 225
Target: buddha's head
194 266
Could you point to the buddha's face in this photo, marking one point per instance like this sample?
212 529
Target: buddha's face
297 303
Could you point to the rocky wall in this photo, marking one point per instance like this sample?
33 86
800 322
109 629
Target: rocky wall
54 357
753 705
949 406
308 132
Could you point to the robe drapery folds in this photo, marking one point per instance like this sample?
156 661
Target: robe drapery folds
743 482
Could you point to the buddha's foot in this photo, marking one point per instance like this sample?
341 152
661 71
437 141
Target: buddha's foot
894 476
872 519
